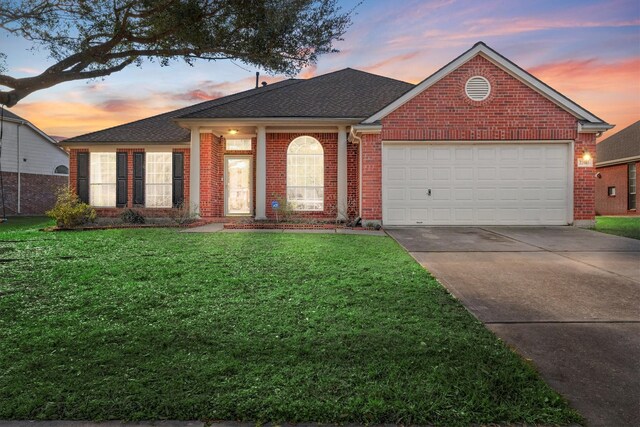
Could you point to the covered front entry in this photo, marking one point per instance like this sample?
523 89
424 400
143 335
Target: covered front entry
476 184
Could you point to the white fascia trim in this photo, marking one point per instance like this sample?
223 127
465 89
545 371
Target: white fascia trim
500 61
367 129
618 161
594 127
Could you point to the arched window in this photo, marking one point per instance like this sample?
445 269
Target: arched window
62 170
305 174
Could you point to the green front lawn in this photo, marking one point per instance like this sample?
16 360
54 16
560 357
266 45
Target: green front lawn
621 226
155 324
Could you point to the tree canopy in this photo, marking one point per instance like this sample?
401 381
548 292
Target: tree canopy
88 39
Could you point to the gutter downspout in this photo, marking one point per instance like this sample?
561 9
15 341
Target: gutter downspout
19 209
354 138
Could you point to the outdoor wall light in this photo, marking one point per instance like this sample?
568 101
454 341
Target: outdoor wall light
586 156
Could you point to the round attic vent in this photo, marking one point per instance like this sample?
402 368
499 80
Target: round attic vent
477 88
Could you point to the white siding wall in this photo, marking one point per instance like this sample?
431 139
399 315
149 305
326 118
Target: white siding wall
42 157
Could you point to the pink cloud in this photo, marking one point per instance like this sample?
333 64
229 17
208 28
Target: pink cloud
394 60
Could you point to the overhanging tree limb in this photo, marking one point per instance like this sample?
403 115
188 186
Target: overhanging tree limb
93 39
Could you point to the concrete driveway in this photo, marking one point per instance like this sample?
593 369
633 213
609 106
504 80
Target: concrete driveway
567 298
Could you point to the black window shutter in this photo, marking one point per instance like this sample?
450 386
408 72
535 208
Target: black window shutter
121 183
178 178
138 179
82 183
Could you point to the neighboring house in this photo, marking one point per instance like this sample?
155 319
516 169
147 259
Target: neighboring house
617 162
481 141
33 167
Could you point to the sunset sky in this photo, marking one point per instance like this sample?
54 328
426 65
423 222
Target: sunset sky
588 50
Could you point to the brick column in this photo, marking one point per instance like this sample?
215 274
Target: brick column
371 147
584 198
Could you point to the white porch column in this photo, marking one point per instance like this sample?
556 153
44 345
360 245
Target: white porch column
342 173
261 173
194 172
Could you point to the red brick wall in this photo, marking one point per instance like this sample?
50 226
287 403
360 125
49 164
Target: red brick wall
513 111
614 176
371 146
584 184
277 145
37 192
114 212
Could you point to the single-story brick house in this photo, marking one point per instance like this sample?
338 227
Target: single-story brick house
481 141
34 167
617 163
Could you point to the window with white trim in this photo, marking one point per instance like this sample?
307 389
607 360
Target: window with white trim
305 174
238 144
102 179
61 170
158 180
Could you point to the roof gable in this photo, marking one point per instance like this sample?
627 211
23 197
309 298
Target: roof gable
500 61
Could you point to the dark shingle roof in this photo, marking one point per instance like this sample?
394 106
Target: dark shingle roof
161 128
623 144
346 93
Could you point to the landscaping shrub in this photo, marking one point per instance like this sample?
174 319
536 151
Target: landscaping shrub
182 215
69 211
131 217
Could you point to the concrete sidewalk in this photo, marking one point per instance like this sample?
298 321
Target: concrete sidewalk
564 297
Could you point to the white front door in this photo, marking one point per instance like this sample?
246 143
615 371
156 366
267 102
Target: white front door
475 184
237 189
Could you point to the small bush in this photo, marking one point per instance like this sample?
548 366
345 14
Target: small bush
182 215
69 211
131 217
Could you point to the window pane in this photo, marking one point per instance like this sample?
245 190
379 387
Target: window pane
305 174
238 144
102 179
158 180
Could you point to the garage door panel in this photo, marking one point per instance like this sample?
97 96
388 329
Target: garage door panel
396 194
395 154
418 174
463 173
520 183
440 174
463 153
486 173
462 194
396 174
438 154
508 173
441 194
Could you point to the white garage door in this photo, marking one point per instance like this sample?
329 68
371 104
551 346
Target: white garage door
506 184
